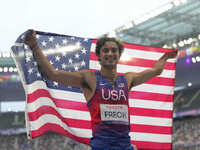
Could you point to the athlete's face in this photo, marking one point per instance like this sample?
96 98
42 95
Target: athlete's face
109 55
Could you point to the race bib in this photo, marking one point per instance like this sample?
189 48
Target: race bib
114 113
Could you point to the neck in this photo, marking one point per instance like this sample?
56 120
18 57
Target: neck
109 74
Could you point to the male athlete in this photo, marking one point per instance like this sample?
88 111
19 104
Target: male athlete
105 91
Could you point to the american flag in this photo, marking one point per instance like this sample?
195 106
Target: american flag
56 108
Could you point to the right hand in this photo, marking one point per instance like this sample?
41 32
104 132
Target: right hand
30 39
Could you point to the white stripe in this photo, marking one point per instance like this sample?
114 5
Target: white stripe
149 137
126 68
148 104
35 125
154 121
19 44
66 113
154 88
134 53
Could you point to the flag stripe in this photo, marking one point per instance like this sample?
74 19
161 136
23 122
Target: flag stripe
151 112
151 96
94 65
143 145
149 137
140 62
151 129
57 128
150 104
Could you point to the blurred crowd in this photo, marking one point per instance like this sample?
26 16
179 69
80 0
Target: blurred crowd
186 133
49 141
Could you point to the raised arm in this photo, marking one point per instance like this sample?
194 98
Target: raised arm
47 70
134 79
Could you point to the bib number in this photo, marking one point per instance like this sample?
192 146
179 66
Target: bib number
114 113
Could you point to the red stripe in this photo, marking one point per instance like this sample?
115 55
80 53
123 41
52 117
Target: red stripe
146 48
151 96
151 129
49 127
151 112
139 62
142 145
161 81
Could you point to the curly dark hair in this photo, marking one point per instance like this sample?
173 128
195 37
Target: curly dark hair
101 41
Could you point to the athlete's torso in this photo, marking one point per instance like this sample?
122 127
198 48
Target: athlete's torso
109 111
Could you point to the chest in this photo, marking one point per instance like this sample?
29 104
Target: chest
116 91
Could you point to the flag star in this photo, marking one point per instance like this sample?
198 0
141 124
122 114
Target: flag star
84 51
38 74
28 59
26 46
78 44
57 45
55 83
64 53
51 62
22 37
44 43
64 66
64 41
76 68
70 61
35 63
57 58
37 36
83 63
86 40
30 70
51 39
77 55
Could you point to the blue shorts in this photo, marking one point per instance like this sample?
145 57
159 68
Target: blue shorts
95 148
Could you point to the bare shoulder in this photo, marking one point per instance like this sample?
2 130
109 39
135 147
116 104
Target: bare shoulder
87 73
89 77
130 76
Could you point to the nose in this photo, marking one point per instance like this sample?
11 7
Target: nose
110 52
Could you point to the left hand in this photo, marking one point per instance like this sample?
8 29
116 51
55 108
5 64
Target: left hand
171 54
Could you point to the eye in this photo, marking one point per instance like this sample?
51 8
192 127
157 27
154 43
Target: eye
114 50
105 50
